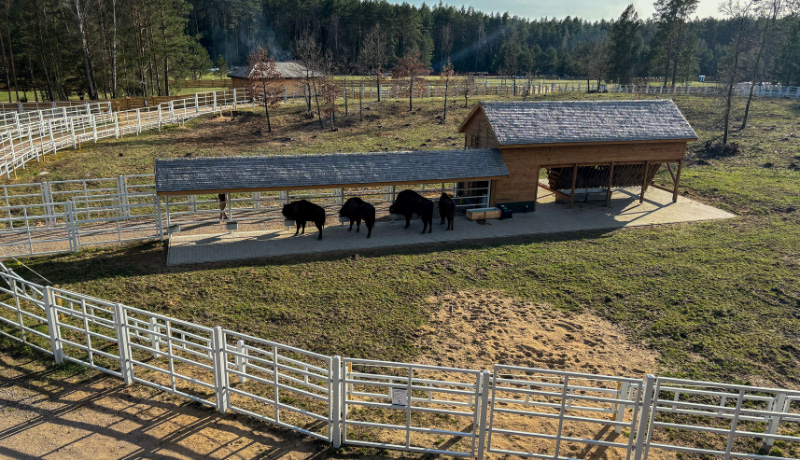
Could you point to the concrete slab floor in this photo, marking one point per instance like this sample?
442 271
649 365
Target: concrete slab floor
588 213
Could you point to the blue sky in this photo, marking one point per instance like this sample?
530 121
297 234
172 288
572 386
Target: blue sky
586 9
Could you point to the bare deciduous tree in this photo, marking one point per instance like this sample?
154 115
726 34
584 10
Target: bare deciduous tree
406 75
263 80
447 77
372 56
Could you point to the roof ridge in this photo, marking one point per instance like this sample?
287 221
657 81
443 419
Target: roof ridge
311 155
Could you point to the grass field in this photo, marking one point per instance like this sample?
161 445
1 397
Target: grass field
716 300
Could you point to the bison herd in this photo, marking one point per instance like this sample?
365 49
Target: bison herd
407 203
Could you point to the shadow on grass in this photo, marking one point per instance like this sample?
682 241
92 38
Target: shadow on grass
149 258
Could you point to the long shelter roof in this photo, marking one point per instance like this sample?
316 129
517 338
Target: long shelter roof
186 176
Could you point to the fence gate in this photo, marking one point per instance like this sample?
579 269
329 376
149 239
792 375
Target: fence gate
549 414
409 407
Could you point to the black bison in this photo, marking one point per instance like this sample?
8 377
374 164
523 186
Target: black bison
408 203
357 209
447 210
303 211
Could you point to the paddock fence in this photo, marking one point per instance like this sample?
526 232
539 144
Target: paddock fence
64 216
506 411
31 135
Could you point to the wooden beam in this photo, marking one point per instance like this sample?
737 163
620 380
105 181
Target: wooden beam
536 189
661 187
574 178
677 182
610 182
558 193
566 144
645 172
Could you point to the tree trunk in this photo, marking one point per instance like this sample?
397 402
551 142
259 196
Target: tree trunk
266 108
444 115
166 53
5 66
114 49
762 45
378 83
87 60
411 95
360 104
11 59
33 79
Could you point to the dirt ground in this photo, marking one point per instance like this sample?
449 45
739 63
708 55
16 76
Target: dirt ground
71 413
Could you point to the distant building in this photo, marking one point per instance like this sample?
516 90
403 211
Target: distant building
292 75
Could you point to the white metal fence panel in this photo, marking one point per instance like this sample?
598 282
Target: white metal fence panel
280 384
718 420
415 408
86 330
23 315
550 414
172 355
36 229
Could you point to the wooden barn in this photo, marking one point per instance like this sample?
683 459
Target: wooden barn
585 146
292 74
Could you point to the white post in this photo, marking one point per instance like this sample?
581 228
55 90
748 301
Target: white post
285 95
221 369
214 102
644 417
121 326
52 325
155 341
241 360
775 420
196 104
159 118
171 105
485 383
234 98
52 139
336 401
94 127
116 126
620 416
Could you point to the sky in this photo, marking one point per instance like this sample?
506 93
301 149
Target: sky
592 10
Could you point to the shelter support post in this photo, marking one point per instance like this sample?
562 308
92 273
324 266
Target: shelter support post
645 173
536 189
610 184
572 189
677 182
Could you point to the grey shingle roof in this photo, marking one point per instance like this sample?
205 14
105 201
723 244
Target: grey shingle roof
309 171
552 122
289 69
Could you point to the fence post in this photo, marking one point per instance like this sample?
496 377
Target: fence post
214 102
121 326
73 227
52 325
775 420
159 118
155 341
234 98
620 415
485 383
241 360
52 139
116 125
221 369
196 104
644 417
336 402
94 127
157 215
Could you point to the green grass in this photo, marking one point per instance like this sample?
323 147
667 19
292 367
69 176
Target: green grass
718 300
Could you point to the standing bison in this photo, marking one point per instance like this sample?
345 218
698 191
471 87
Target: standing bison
303 211
357 209
408 203
447 209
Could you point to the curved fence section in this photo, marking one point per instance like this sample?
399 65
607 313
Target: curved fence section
22 142
511 410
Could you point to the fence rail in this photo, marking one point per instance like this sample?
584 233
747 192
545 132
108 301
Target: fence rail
511 410
62 216
31 135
